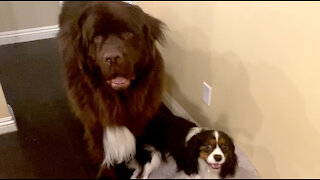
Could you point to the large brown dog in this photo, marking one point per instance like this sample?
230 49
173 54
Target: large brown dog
113 73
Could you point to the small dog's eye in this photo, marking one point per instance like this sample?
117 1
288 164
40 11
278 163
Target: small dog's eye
209 147
127 35
223 146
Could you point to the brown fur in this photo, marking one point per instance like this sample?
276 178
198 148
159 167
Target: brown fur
93 100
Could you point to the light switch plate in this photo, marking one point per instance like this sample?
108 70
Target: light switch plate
206 94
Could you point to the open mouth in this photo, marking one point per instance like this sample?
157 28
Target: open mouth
215 165
119 83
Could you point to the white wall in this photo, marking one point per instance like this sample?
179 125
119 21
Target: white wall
262 60
17 15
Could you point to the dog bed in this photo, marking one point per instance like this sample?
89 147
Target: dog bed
245 169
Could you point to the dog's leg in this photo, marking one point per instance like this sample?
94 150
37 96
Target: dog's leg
150 165
94 138
142 157
134 166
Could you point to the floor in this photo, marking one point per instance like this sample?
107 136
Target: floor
49 141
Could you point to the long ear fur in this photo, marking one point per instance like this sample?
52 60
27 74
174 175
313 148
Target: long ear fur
230 166
82 44
155 27
191 160
85 28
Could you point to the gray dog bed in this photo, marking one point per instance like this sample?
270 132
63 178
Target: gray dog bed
245 169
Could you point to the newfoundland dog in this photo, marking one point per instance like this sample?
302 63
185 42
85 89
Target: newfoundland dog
113 72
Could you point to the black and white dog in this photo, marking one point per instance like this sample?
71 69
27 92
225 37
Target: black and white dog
198 152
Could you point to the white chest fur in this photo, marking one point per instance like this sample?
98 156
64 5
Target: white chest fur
119 145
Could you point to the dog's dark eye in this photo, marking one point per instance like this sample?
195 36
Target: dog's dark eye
127 35
209 147
107 60
223 146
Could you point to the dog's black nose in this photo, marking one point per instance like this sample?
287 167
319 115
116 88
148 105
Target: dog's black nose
217 158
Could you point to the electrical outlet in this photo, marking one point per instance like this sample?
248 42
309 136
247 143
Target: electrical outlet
206 93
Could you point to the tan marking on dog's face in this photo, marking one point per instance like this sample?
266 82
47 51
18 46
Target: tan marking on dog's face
212 141
207 148
222 141
204 155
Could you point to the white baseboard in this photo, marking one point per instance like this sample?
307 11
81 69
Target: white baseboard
31 34
8 129
8 124
5 119
176 108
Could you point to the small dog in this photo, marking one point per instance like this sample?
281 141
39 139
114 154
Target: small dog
198 152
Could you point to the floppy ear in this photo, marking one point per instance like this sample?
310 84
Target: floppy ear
81 41
85 28
192 155
85 32
230 166
155 28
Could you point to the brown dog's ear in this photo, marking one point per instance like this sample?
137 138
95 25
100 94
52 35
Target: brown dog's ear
85 24
155 27
85 33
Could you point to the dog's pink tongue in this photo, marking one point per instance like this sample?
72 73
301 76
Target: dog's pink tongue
215 166
120 83
119 80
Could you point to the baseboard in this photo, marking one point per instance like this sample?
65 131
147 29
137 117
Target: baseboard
176 108
8 124
5 119
26 35
32 34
